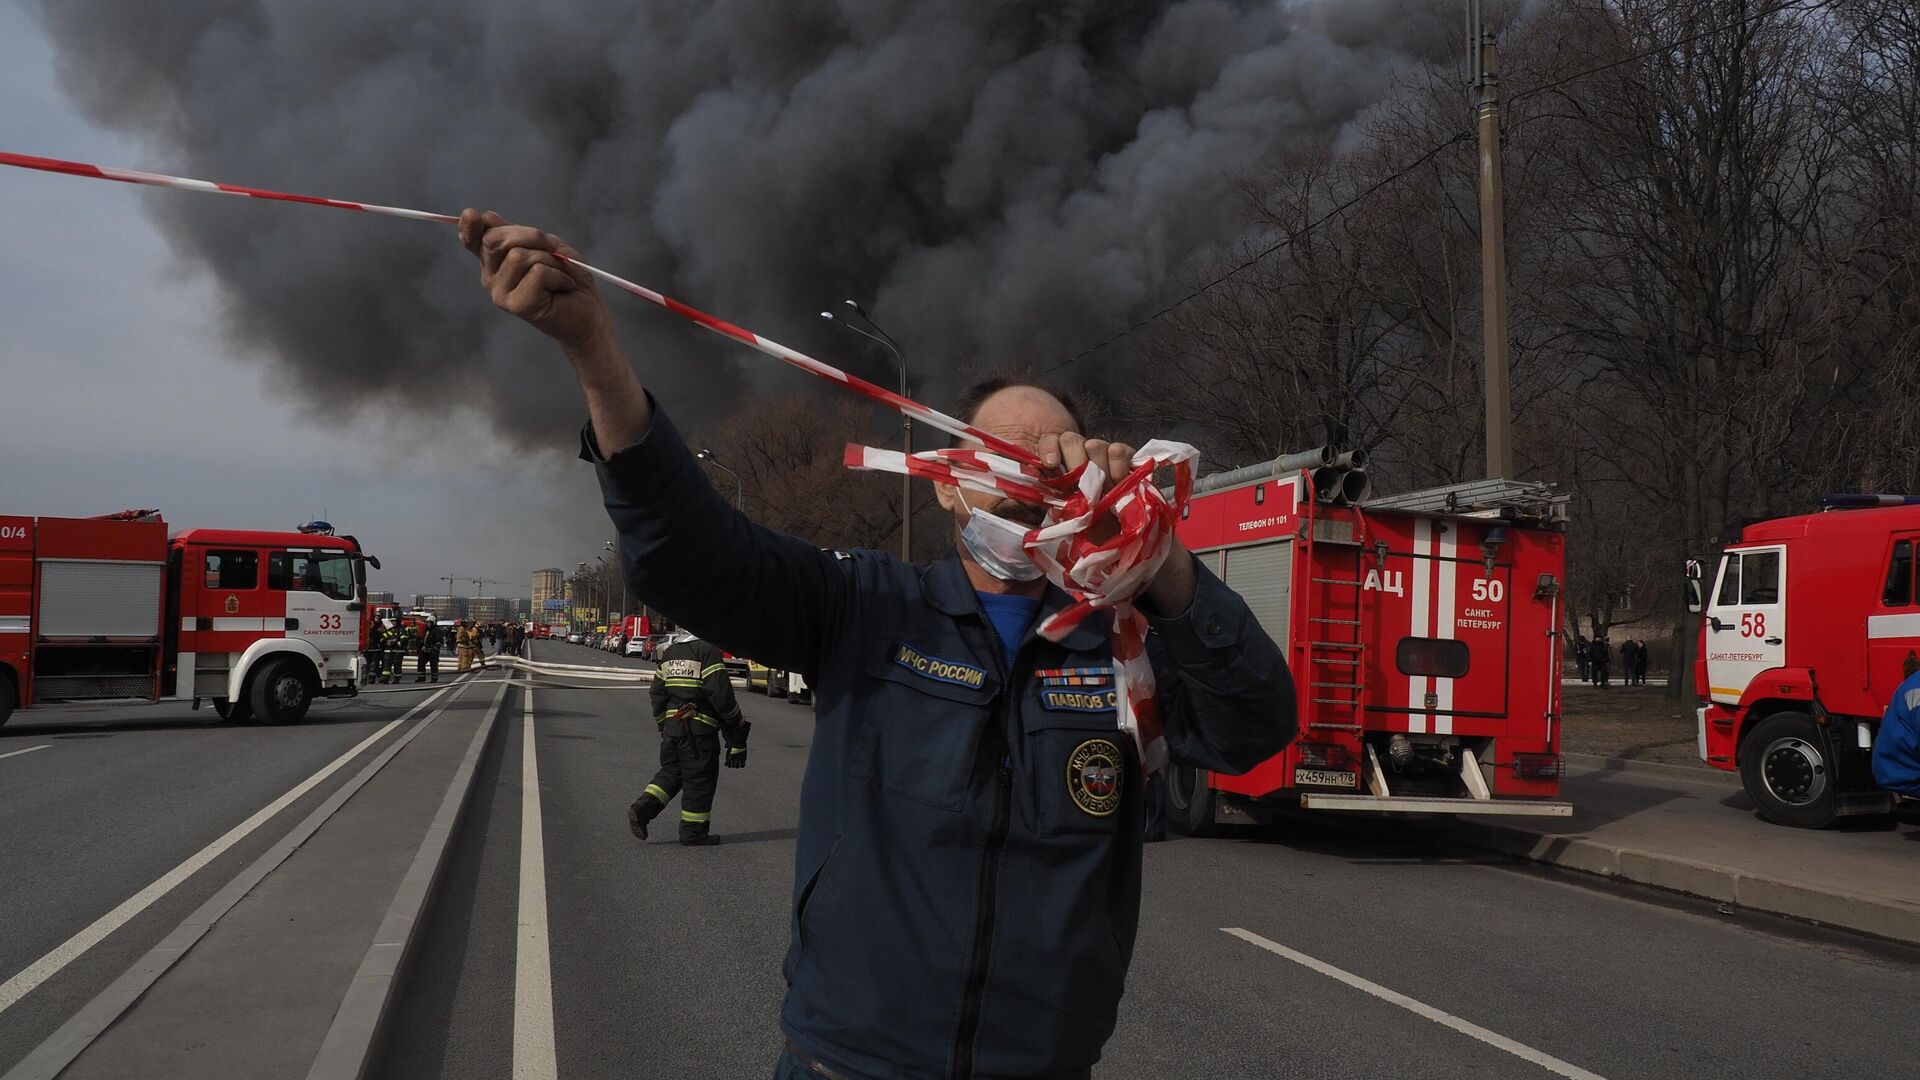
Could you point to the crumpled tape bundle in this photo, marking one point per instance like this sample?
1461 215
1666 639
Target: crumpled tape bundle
1106 573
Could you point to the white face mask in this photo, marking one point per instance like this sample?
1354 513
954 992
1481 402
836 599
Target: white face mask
997 545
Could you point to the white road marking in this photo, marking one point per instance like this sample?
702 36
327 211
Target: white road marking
74 947
1491 1038
28 750
533 1055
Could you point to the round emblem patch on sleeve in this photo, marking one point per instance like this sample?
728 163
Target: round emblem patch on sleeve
1093 776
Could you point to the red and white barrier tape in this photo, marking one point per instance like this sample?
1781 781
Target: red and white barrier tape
1106 574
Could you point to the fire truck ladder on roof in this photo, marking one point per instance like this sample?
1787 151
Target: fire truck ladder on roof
1335 629
1479 496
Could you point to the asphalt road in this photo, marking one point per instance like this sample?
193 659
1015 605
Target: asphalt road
1361 950
103 806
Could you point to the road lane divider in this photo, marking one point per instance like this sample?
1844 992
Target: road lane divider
28 750
533 1052
348 1048
24 981
1419 1008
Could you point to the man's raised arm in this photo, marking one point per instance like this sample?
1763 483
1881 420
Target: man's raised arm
754 591
520 270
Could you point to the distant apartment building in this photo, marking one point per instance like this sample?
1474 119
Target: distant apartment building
374 597
548 584
444 607
489 608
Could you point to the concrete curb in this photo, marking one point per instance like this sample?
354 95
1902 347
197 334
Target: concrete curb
1878 916
359 1025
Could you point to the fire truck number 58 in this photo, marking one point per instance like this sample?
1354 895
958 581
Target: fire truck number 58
1753 624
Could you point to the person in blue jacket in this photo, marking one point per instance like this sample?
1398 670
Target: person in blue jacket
1896 748
967 867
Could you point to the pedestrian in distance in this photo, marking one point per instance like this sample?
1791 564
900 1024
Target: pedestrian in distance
969 853
1640 663
1600 658
1628 656
1583 652
694 707
1896 747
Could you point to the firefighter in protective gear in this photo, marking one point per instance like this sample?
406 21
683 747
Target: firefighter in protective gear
426 655
693 704
389 641
398 646
375 654
466 642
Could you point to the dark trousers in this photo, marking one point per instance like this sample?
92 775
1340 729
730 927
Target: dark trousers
689 768
426 661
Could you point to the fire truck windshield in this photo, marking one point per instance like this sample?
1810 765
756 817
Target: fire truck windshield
329 573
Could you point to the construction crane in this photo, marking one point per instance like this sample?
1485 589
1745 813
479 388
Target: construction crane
479 581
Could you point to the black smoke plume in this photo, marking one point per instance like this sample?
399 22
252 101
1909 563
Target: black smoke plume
1002 180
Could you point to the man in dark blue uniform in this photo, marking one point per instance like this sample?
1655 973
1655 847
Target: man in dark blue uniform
967 879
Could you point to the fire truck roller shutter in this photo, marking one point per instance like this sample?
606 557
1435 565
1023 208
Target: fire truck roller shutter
277 678
1263 576
89 598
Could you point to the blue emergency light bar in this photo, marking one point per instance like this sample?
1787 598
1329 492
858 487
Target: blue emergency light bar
1866 502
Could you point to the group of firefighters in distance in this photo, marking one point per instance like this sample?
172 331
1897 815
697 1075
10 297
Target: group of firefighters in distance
391 641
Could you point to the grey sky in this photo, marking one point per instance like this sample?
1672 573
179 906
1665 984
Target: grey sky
117 389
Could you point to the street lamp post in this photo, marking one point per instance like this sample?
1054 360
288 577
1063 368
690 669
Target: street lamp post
707 456
885 340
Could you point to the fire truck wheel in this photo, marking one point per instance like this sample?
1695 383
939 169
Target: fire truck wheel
1189 801
238 712
8 695
281 693
1784 767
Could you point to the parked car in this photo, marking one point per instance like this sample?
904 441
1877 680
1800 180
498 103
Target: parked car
614 642
759 677
638 647
575 639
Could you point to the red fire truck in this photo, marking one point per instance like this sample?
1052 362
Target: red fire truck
1810 623
112 608
1422 632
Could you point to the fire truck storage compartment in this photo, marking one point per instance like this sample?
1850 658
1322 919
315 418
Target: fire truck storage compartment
1263 576
90 598
97 631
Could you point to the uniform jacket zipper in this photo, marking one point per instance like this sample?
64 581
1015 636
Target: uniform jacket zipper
970 1003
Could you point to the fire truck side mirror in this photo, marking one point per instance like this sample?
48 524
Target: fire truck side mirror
1696 598
373 561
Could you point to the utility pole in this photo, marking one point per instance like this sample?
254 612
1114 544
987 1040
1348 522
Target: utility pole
1493 245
